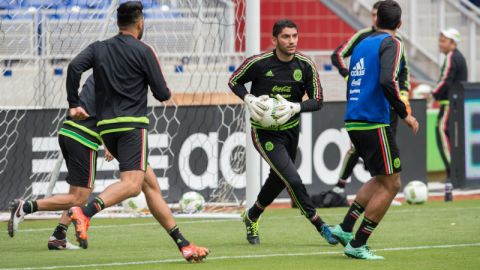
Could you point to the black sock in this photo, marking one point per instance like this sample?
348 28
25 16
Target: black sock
352 215
60 231
178 237
363 233
317 222
30 207
341 183
94 206
255 211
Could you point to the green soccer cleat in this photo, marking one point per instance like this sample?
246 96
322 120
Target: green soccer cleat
363 253
343 237
252 229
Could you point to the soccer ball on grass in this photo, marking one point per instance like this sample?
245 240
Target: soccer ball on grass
191 202
416 192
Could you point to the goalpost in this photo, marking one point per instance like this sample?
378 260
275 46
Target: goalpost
252 36
197 139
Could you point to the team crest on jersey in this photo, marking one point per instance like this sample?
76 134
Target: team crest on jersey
269 146
297 74
396 163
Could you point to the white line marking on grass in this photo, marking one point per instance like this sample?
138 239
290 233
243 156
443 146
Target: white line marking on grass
422 210
251 256
136 225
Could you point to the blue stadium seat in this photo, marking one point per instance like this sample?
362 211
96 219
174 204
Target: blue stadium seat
10 4
91 4
146 3
77 16
44 3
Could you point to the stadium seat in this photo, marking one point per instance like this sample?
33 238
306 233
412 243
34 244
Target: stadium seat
9 4
146 3
90 4
50 4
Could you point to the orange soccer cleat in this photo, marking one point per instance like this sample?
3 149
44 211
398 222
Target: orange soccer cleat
81 223
194 254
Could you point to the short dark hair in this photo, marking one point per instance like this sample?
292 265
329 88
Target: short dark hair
129 13
280 24
389 15
377 4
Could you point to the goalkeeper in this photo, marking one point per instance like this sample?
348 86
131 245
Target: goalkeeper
286 75
338 60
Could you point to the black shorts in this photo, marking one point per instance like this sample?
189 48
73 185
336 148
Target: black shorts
130 148
378 150
81 162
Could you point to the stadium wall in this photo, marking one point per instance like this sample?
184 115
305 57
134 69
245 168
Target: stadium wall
197 159
319 28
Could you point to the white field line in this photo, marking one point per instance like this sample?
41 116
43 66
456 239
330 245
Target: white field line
236 220
247 256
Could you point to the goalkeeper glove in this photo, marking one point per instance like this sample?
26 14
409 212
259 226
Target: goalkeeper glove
285 110
405 99
256 106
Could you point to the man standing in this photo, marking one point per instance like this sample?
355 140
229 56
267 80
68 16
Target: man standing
338 60
123 68
286 75
454 71
372 89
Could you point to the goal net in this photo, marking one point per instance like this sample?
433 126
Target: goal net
196 140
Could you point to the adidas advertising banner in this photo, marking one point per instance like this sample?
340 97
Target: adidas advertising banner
203 155
465 138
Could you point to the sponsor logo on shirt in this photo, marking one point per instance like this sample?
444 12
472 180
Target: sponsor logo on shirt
282 89
354 91
356 82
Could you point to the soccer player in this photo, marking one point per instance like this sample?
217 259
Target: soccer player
123 68
287 75
454 71
338 60
79 142
372 89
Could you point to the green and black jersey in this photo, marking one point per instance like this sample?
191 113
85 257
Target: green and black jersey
270 76
123 68
84 131
346 50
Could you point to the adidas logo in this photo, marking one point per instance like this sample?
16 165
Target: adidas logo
358 69
269 73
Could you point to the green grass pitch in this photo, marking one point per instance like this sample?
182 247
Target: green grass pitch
436 235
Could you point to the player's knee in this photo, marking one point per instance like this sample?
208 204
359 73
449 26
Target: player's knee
80 200
390 182
135 189
394 184
77 200
133 184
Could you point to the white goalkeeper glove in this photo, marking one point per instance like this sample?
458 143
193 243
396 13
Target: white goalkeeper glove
256 106
285 110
